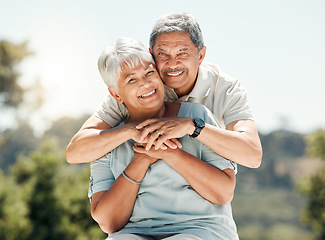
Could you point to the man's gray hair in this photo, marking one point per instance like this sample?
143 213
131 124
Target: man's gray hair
126 51
177 22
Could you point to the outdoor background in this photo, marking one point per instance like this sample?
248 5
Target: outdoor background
49 84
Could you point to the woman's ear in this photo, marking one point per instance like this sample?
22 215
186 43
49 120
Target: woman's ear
115 94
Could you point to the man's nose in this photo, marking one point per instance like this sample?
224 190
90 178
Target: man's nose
172 62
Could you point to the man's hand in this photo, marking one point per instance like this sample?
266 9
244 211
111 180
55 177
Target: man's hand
165 130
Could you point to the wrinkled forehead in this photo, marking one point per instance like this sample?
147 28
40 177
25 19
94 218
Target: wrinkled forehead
180 40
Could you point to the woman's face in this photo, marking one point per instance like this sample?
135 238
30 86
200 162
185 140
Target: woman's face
140 88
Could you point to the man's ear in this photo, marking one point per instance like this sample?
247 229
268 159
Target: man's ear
202 54
115 94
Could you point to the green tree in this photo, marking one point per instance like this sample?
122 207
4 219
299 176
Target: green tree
46 198
17 102
14 221
11 93
314 187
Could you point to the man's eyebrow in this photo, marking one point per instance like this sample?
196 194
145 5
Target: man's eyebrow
184 49
161 49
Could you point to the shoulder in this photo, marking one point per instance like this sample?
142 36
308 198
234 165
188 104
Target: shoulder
197 110
192 108
215 71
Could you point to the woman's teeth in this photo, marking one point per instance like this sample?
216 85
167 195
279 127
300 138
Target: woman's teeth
148 94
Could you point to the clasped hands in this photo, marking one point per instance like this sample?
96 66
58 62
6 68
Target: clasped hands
162 133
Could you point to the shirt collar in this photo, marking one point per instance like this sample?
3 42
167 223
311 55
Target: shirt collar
201 88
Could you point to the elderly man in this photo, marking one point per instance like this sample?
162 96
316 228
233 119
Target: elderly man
177 45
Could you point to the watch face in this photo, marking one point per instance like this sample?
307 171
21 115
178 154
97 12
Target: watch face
199 122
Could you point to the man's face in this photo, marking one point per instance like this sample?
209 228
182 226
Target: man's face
177 60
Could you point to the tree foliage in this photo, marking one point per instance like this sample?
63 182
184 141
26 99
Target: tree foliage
316 144
314 187
45 198
11 93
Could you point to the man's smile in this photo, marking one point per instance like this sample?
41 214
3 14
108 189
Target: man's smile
174 74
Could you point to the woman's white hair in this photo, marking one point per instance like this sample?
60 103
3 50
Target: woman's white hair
125 51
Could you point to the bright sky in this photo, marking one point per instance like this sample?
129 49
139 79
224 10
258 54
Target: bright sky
276 48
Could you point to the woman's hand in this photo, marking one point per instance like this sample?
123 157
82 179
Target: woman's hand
153 154
144 155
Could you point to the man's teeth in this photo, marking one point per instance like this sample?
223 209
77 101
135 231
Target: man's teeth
174 74
148 94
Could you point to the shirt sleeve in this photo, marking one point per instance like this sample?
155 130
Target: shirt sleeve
102 177
231 98
111 111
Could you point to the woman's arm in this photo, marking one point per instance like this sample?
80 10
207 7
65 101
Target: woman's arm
96 138
211 183
112 209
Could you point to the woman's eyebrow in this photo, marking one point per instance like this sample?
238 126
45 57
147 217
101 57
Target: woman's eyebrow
128 74
149 65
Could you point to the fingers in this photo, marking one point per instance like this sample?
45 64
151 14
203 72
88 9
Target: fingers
152 139
146 123
149 127
139 149
163 141
176 142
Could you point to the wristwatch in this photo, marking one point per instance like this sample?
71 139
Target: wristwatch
199 125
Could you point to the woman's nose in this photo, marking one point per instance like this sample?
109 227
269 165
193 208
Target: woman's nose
145 81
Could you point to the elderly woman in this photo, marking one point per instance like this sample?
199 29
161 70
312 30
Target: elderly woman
181 193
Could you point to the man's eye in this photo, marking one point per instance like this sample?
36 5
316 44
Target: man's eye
132 80
183 53
150 72
162 54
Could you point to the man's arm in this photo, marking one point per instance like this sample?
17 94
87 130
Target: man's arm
239 143
96 138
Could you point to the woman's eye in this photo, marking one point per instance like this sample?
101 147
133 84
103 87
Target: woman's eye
132 80
150 72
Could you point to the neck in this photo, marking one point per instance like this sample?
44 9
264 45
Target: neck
185 90
139 116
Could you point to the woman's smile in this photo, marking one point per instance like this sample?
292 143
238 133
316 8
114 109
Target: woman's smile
148 94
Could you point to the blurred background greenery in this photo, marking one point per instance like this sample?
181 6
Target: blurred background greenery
43 197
